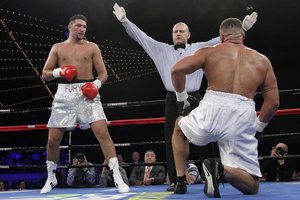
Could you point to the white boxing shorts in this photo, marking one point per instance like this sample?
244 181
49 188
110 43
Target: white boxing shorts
71 106
230 120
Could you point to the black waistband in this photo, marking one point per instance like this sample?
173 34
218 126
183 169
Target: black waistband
191 93
64 81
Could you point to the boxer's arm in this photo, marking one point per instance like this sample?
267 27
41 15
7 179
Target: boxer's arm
271 95
51 64
185 66
99 65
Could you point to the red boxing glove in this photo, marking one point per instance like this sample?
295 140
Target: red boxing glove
68 72
89 90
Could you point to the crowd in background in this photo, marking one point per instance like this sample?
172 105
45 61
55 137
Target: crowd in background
272 170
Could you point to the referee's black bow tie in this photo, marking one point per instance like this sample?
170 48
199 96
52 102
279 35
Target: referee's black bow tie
177 46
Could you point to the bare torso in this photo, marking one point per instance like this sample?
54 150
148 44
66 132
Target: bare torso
79 55
234 68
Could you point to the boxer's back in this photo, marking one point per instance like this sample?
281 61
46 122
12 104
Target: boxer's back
234 68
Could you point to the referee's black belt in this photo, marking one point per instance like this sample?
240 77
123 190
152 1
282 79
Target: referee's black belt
191 93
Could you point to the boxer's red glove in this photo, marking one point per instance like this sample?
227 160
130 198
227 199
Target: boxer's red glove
90 90
67 72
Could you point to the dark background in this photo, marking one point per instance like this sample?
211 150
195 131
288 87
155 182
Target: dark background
29 28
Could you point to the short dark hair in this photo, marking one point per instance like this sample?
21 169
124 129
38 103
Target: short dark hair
230 23
77 16
232 27
80 156
150 150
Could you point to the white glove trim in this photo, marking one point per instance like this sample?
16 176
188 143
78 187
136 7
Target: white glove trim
98 83
56 72
181 96
260 125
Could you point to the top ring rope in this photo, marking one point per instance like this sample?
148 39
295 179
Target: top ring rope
159 120
105 105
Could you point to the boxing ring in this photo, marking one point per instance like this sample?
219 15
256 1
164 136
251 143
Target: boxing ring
268 190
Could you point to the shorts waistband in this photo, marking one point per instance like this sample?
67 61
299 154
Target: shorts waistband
69 88
229 99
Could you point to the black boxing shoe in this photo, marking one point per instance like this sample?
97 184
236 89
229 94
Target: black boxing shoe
171 188
180 187
214 173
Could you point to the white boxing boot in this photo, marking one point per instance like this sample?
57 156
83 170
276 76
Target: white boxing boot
120 184
51 180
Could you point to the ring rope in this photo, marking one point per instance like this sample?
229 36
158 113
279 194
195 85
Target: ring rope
76 166
158 120
123 104
79 146
281 134
127 164
119 144
105 105
70 146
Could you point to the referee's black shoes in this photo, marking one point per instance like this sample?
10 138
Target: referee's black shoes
180 187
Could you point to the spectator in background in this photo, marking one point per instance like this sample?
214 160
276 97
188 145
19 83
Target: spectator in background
106 176
135 159
135 156
149 174
2 186
278 170
121 159
81 177
22 185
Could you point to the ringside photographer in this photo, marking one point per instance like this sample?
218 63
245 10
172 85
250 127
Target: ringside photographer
81 177
280 169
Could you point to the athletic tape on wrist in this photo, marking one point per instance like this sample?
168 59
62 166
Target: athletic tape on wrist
56 73
181 96
260 126
98 83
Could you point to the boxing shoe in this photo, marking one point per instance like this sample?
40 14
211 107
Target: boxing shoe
180 187
171 188
51 180
119 183
214 173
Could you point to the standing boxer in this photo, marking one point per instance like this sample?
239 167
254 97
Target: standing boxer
77 98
